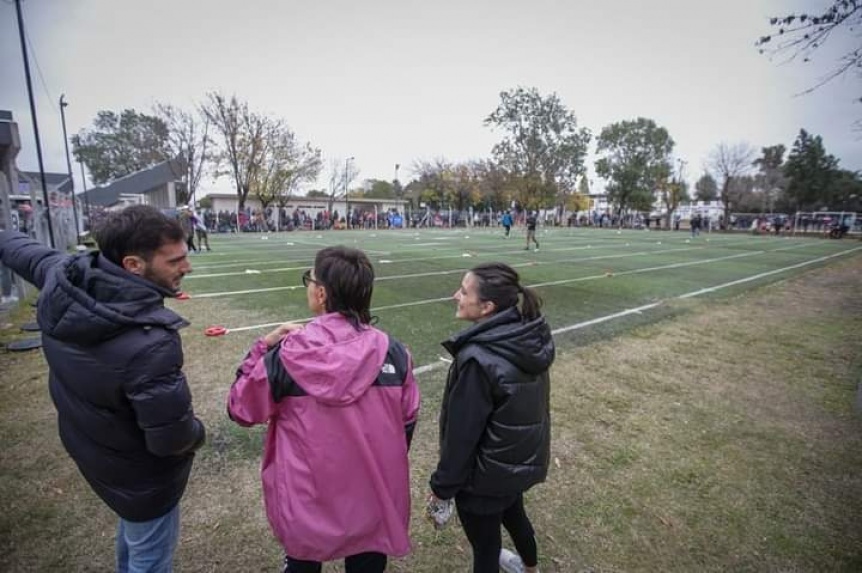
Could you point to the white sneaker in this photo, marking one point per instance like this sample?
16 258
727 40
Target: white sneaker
510 562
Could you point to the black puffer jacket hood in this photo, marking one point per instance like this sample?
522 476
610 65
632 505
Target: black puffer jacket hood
90 300
495 420
124 408
527 345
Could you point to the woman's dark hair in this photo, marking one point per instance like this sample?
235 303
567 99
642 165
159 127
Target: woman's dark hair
137 230
499 283
348 277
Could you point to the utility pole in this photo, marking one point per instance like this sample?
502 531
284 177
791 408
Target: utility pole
86 198
63 105
35 123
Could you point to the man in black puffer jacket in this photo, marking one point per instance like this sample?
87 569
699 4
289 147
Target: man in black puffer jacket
124 409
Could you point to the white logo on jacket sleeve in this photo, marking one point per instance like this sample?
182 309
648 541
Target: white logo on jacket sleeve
388 368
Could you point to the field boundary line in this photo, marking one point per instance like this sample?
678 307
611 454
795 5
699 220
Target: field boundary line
461 269
717 243
640 309
553 283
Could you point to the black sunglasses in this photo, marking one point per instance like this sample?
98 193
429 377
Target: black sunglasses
306 278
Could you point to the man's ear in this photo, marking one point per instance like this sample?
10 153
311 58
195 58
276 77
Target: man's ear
134 264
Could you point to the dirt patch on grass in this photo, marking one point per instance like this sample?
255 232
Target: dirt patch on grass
723 438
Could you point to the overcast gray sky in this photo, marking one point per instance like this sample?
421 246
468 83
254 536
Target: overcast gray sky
395 81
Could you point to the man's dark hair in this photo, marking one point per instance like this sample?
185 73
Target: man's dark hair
348 277
137 230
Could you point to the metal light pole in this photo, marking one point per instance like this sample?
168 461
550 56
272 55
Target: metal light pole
86 198
35 122
347 217
63 105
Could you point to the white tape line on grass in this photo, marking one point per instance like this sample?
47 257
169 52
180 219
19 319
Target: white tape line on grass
767 273
566 281
699 292
461 270
252 263
447 272
641 309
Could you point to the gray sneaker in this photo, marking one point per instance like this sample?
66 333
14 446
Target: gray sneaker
510 562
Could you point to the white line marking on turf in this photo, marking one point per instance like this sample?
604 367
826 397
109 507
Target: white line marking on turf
766 274
461 270
600 242
640 309
566 281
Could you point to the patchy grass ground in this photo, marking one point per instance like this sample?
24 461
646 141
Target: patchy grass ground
723 437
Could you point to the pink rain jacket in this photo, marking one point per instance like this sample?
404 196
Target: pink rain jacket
336 478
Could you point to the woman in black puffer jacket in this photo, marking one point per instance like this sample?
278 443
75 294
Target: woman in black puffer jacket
495 419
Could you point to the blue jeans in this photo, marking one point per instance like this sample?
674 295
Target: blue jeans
148 546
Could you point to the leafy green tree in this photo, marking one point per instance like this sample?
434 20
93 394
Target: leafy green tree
379 189
435 184
317 193
120 144
771 178
706 189
746 198
495 186
845 193
634 157
467 190
810 172
543 150
729 162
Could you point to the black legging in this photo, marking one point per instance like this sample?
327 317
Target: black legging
483 532
360 563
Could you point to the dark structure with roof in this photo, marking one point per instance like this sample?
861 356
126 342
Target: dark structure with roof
156 186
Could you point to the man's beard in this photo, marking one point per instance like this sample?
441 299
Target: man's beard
161 281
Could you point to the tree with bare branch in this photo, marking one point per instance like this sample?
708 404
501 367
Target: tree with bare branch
188 137
243 139
728 162
800 35
285 163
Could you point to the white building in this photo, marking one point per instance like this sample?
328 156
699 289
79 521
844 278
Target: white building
311 205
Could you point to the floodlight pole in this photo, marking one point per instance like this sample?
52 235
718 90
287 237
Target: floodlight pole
63 104
86 197
35 123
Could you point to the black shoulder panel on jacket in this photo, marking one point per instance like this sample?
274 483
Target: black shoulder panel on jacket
394 369
280 382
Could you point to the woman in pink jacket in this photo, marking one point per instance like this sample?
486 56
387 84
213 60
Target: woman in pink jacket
341 402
